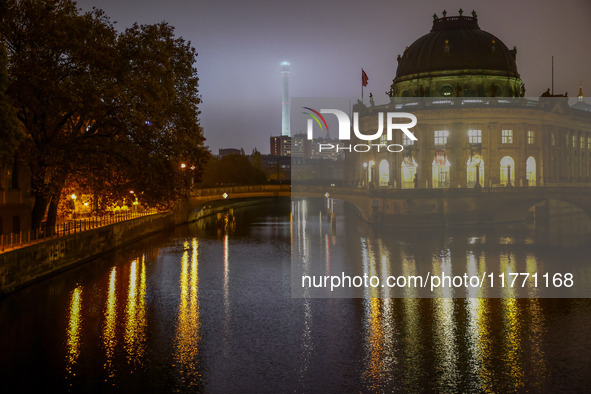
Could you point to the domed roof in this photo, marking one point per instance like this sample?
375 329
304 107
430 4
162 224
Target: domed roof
457 43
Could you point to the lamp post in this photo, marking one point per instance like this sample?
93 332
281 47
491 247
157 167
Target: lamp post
509 175
364 174
476 160
74 203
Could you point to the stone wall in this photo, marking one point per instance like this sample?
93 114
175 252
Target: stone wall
29 264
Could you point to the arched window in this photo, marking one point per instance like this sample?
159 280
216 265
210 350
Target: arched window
441 170
384 169
475 162
507 171
408 171
530 171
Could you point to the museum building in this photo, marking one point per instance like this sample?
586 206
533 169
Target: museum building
475 127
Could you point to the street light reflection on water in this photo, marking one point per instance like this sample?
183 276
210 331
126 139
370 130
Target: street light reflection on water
197 311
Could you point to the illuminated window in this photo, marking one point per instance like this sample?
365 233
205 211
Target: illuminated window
507 171
507 137
406 141
574 140
475 136
441 137
384 173
408 173
582 142
383 140
441 171
589 143
531 137
552 139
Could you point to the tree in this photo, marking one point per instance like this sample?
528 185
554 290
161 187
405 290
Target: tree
10 133
117 111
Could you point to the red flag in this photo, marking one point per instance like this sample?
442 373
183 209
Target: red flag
364 78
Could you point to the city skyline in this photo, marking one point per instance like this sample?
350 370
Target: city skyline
241 48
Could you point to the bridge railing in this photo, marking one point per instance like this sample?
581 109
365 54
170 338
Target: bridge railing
218 191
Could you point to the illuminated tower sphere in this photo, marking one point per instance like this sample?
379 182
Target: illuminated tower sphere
285 102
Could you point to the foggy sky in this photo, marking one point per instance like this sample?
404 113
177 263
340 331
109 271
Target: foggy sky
242 43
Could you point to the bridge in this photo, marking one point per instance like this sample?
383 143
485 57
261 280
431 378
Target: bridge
420 207
198 202
413 207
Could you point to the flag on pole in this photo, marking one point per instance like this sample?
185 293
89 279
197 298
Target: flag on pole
364 78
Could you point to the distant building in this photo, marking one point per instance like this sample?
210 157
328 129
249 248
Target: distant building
280 145
277 168
300 145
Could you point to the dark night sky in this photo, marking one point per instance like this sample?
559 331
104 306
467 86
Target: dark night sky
242 43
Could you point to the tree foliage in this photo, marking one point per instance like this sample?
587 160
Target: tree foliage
10 133
117 111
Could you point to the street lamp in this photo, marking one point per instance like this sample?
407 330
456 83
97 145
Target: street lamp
371 171
74 203
476 161
364 173
509 175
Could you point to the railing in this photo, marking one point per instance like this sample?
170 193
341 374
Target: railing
24 238
218 191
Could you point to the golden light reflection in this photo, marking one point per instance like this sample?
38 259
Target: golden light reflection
135 313
536 328
536 339
512 346
479 344
444 341
188 324
412 358
374 368
109 337
379 336
74 328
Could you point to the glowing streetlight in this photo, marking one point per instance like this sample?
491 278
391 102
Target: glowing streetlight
183 165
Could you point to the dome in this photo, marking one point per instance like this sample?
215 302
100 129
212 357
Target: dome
457 49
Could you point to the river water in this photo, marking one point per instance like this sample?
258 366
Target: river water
205 309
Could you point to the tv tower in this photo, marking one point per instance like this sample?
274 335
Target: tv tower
285 103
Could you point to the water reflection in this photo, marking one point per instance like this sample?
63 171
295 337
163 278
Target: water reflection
512 343
74 329
188 324
220 319
135 313
109 328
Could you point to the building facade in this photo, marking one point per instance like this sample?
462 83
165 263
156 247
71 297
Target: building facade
474 129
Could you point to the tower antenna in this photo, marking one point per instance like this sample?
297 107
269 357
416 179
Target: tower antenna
285 110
